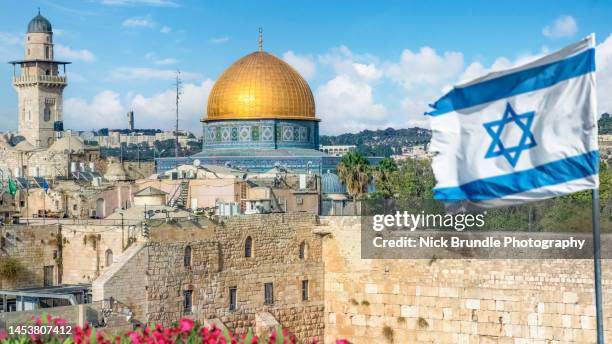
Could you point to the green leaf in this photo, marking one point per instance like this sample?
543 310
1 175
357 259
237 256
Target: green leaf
226 334
249 337
279 335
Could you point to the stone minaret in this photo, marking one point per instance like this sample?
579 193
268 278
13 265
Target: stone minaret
39 86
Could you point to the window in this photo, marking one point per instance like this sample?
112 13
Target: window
74 207
187 256
268 293
303 250
46 52
48 279
305 290
232 298
108 257
248 247
47 113
187 301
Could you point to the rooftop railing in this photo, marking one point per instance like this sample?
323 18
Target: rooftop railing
29 79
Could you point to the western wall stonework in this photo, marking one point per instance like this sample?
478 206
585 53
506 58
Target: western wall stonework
364 301
218 263
456 301
32 248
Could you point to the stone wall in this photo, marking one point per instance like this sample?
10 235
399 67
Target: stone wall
84 251
33 248
125 283
218 262
456 301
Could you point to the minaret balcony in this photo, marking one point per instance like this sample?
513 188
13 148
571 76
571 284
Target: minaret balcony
40 79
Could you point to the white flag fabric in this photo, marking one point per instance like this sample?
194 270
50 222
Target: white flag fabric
521 134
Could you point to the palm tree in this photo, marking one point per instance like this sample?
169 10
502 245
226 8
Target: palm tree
354 171
384 172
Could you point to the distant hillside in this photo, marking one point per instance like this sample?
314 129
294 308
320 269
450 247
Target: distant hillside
605 124
390 141
381 142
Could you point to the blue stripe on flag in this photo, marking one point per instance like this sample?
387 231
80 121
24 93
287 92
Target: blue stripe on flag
552 173
524 81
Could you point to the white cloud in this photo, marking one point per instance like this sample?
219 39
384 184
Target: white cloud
167 61
158 3
151 56
66 52
219 40
144 73
159 109
139 22
165 29
347 102
425 68
304 64
564 26
603 61
359 66
105 109
155 111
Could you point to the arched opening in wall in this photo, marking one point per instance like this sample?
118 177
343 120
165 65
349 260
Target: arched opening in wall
47 72
100 208
248 247
47 114
303 250
187 256
108 257
47 55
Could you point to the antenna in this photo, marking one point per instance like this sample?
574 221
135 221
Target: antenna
178 85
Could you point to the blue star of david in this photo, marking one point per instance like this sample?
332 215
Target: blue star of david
495 128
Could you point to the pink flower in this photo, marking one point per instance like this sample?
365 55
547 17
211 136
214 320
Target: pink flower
342 341
186 325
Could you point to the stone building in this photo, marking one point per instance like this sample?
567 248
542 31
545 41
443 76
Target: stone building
41 148
248 269
39 86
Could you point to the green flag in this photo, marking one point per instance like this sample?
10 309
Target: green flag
12 188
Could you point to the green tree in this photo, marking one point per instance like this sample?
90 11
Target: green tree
355 172
383 173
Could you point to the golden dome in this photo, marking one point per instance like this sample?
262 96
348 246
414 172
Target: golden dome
260 86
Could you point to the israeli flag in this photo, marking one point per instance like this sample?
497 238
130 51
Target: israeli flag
521 134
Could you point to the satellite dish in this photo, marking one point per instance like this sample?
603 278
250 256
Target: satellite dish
197 162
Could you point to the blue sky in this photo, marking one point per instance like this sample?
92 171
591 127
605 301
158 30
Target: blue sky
370 64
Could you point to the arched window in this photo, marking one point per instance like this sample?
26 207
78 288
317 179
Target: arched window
248 247
47 113
109 257
303 250
187 256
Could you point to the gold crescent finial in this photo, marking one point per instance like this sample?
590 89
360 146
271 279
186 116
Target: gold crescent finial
260 39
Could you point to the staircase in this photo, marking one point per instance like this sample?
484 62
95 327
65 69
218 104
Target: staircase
179 199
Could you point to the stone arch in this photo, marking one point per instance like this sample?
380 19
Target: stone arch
108 257
303 254
187 256
248 247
